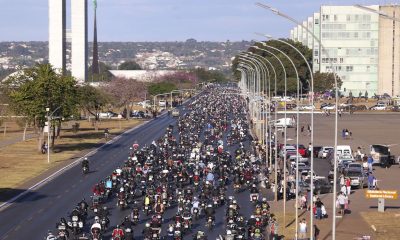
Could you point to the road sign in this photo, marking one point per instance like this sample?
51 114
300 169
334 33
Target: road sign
385 194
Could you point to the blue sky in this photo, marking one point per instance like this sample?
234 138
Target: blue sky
166 20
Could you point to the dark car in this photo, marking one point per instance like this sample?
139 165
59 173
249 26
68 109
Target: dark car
321 186
316 149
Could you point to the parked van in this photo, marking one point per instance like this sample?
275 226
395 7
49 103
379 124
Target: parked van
343 150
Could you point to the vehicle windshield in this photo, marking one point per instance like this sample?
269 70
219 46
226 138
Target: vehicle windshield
353 173
380 149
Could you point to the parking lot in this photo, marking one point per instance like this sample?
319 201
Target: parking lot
367 129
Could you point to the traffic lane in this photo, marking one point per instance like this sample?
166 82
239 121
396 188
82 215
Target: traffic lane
61 194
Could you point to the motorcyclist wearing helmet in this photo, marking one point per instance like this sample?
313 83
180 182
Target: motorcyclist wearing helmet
118 233
85 164
210 211
127 223
253 192
147 231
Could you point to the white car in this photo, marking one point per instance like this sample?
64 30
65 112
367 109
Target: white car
324 151
379 107
329 107
306 107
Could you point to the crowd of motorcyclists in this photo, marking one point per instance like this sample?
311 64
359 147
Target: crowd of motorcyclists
189 171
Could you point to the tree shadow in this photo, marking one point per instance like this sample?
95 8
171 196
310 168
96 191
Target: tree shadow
7 194
74 147
87 135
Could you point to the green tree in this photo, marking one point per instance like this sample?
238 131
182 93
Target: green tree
129 65
204 75
38 88
103 76
325 82
161 87
92 100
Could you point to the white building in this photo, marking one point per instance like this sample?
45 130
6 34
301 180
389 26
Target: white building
141 75
79 42
361 46
57 26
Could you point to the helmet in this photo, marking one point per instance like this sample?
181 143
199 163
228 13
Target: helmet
264 199
121 189
147 224
126 218
209 205
105 207
228 232
234 201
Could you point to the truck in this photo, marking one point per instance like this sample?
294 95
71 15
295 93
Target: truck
381 155
283 122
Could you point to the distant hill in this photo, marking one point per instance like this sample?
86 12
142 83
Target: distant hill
150 55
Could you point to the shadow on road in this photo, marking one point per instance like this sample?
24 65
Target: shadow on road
8 193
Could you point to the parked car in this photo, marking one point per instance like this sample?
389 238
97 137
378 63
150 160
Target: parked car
321 186
358 178
329 107
108 114
354 166
379 106
316 150
324 151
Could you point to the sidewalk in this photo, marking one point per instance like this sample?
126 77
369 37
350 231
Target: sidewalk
363 214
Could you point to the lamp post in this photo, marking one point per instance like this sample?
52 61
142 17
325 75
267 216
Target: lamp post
49 116
297 152
48 134
312 117
275 11
269 104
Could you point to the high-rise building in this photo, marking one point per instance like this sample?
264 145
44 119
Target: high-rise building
79 43
57 34
361 46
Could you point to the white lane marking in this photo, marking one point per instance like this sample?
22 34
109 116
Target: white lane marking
62 170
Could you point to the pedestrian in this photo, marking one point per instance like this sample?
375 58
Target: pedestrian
370 181
340 202
348 186
346 133
375 184
318 206
302 229
341 180
351 135
316 232
370 160
340 113
343 133
302 129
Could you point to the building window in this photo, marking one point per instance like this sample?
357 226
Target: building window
316 53
335 18
341 60
349 68
368 68
348 18
316 21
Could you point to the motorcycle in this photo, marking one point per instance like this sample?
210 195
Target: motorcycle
75 224
128 234
62 232
85 169
210 223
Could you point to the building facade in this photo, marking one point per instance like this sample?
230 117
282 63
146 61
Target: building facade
79 43
78 36
359 45
57 34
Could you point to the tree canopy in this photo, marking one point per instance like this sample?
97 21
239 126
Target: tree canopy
103 76
129 65
161 87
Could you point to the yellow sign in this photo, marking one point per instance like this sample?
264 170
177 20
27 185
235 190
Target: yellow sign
386 194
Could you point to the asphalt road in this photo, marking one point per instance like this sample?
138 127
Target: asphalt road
37 212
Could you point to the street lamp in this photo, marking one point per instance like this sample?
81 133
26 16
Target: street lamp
312 114
49 116
275 11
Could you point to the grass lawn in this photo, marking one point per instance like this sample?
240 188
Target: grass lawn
21 162
387 224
